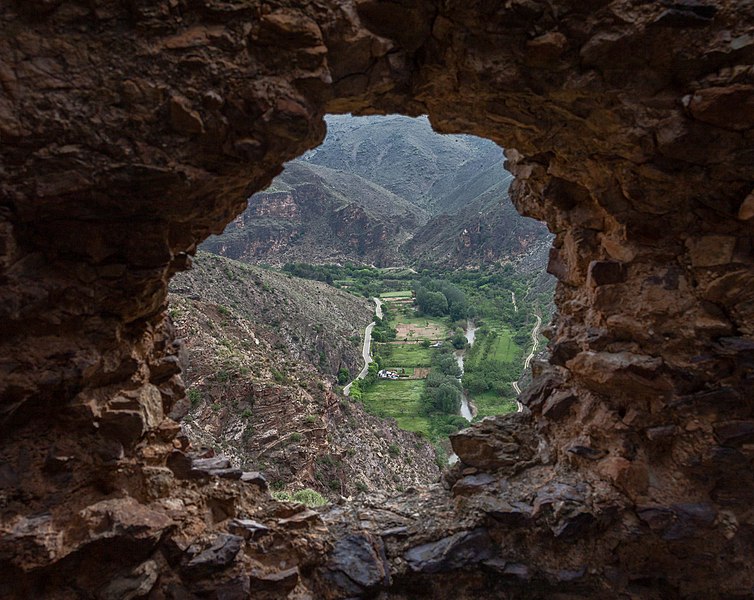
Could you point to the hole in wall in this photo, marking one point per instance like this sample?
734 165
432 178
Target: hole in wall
381 294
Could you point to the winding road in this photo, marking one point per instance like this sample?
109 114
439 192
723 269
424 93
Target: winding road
366 351
527 362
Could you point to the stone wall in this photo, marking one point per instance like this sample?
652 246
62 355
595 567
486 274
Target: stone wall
131 131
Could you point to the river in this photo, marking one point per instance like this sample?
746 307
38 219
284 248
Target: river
470 336
466 407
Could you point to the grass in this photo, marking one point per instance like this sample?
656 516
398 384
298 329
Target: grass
407 355
489 404
500 347
503 347
402 294
400 400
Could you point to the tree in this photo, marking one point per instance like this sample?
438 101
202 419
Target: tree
344 375
459 340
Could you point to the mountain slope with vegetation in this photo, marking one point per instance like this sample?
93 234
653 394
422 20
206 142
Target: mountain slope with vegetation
262 354
387 191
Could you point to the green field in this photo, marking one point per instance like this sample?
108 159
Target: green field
406 355
400 400
402 294
503 347
496 345
490 403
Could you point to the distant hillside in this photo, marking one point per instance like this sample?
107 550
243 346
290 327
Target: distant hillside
484 230
315 214
387 191
261 353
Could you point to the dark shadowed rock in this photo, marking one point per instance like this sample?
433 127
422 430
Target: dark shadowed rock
472 484
135 584
455 552
218 556
254 478
357 563
279 582
247 528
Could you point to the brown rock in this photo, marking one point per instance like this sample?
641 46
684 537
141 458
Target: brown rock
606 272
711 250
545 49
730 107
183 118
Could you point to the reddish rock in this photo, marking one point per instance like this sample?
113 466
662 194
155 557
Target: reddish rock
730 107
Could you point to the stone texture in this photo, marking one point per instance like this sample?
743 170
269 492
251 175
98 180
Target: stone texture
459 550
131 131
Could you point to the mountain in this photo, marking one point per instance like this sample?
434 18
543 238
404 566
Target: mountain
387 191
261 353
315 214
483 229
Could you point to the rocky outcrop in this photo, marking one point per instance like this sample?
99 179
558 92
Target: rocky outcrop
131 131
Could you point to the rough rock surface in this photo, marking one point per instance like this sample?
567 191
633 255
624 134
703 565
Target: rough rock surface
130 131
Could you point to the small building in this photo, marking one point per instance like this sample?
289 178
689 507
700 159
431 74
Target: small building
385 374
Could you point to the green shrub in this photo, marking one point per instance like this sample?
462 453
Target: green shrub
194 396
306 496
295 437
394 449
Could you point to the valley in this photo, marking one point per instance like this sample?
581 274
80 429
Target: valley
377 297
433 368
262 354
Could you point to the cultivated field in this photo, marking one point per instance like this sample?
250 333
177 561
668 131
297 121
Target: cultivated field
396 295
489 404
406 355
400 400
412 328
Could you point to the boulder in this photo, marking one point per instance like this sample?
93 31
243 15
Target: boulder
462 549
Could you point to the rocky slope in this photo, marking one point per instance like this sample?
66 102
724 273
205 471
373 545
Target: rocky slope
261 353
315 214
388 191
133 130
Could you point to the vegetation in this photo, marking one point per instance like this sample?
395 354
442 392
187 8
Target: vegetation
405 340
306 496
400 400
404 355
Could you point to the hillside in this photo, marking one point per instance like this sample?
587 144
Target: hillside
387 191
260 357
317 214
482 231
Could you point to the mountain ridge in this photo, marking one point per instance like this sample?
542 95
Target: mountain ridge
387 191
